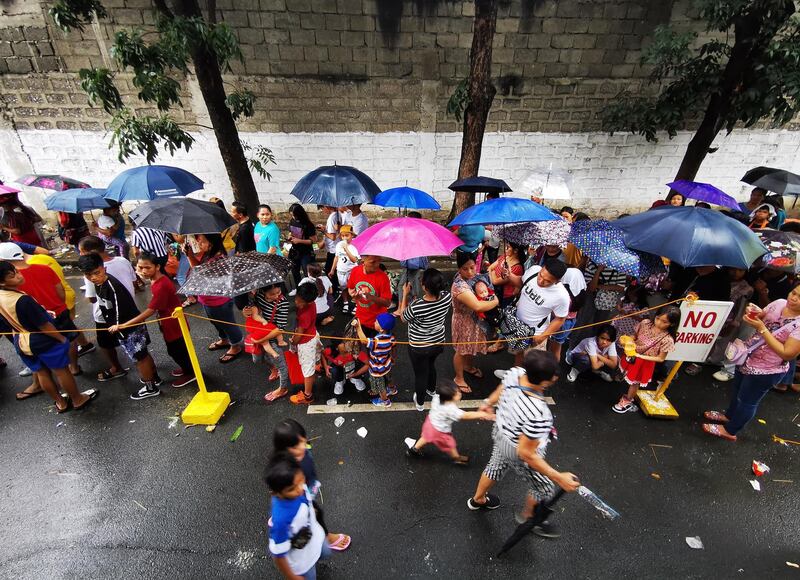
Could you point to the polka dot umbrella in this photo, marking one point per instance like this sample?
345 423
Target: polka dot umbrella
604 244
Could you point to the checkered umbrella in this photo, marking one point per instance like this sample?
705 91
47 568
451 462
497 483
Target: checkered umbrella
235 275
549 233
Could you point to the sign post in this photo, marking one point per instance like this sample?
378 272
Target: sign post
701 322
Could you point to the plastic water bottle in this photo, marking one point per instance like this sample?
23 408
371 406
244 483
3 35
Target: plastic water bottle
598 503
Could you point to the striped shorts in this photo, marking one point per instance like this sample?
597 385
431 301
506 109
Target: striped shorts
504 455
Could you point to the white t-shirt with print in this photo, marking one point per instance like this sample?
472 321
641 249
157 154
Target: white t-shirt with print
122 270
344 263
536 304
443 416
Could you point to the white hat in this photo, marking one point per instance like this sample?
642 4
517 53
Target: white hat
11 251
105 222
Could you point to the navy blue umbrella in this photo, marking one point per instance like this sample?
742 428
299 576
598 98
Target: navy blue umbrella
152 182
692 236
336 186
480 184
406 197
77 200
504 210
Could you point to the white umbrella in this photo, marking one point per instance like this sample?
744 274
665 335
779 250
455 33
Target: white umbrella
547 184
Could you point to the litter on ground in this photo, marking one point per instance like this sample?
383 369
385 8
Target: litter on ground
694 542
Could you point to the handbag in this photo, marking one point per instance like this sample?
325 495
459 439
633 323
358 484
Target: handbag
737 352
606 299
517 332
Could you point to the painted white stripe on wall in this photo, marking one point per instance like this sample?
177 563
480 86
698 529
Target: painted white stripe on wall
612 173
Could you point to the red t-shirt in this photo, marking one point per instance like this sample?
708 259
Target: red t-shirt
376 284
307 322
164 301
40 284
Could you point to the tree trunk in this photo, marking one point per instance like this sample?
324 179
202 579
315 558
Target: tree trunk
481 93
209 77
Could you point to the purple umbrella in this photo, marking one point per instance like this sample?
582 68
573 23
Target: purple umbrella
704 192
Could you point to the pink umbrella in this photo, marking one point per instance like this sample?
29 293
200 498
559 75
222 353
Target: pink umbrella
405 238
7 189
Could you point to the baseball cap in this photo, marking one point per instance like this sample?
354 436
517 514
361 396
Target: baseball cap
11 251
105 222
387 321
346 229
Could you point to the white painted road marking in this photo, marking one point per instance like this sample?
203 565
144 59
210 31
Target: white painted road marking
370 408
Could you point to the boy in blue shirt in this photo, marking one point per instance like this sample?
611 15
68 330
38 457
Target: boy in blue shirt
296 539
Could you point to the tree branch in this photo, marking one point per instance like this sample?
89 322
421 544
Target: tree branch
162 7
212 11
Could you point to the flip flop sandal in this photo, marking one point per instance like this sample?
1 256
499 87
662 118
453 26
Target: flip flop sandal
218 345
341 543
715 416
22 395
107 375
229 357
462 460
475 372
68 407
716 431
272 396
188 302
781 388
92 394
693 370
464 388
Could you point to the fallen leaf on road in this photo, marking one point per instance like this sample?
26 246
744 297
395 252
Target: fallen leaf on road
655 476
762 421
236 433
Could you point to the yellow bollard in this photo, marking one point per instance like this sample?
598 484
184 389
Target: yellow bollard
205 408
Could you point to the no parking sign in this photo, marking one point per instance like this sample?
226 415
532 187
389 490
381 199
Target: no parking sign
701 323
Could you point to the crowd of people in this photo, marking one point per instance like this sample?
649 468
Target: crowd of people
548 306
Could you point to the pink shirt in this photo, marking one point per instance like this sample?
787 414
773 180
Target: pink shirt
764 360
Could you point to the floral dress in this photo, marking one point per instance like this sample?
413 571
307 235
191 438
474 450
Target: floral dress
465 326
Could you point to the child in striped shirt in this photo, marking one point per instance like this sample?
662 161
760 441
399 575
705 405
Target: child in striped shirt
381 358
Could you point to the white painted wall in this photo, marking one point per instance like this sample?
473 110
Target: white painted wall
611 173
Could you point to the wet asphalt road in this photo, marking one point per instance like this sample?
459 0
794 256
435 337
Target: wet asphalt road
117 492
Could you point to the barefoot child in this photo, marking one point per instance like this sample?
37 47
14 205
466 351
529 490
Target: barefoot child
381 358
289 437
346 259
654 339
307 341
438 426
163 302
296 539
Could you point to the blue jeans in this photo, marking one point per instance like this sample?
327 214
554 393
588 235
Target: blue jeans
748 390
788 378
183 270
224 313
324 555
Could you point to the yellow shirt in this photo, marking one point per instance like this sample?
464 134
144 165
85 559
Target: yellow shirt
45 260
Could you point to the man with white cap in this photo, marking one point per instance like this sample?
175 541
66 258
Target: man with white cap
106 230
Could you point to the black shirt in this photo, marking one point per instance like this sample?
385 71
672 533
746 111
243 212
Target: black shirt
116 304
245 238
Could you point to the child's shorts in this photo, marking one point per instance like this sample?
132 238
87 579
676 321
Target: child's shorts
57 357
308 355
444 441
135 344
377 385
343 278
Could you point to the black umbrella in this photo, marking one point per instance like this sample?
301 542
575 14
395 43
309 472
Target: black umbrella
182 215
772 179
479 184
540 514
235 275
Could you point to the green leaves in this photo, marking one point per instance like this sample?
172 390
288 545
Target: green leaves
98 84
261 156
134 135
240 102
73 14
458 101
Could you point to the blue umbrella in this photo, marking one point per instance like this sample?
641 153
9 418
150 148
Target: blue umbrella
504 210
406 197
479 184
704 192
692 236
336 186
151 182
604 245
76 200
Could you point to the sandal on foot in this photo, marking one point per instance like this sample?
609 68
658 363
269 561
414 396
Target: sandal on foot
67 407
496 347
715 416
92 394
107 375
782 388
188 302
341 543
219 345
26 394
77 373
716 431
465 388
461 460
275 395
475 372
229 356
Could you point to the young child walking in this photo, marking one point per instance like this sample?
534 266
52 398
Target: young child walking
116 305
296 539
654 340
346 259
289 437
340 366
381 359
307 342
163 302
438 426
